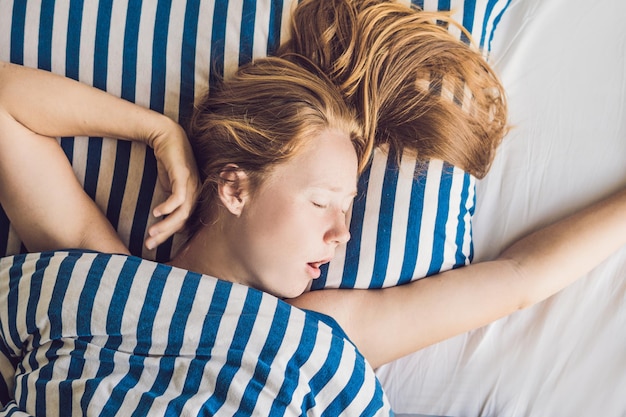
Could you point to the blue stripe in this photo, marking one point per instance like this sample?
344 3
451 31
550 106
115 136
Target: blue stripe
208 335
89 293
18 23
142 209
305 348
235 351
246 34
154 295
188 291
188 61
72 47
443 5
46 18
67 144
469 13
15 273
460 256
353 248
113 328
275 24
443 209
118 182
385 221
94 149
269 351
377 403
129 81
6 394
55 309
341 403
471 231
101 47
92 170
496 21
32 328
145 325
5 224
116 398
159 55
413 229
325 374
218 40
157 103
418 3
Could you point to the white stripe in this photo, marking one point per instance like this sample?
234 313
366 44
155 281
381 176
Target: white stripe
431 5
6 20
261 29
452 222
288 8
59 38
174 59
145 35
31 33
131 192
341 377
469 205
457 7
232 38
203 47
88 41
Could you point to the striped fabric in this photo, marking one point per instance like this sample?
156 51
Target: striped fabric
88 333
161 54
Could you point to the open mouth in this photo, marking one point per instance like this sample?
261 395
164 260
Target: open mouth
313 268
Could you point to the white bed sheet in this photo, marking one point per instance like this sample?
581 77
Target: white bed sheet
563 63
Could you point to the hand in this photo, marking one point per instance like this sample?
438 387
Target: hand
178 175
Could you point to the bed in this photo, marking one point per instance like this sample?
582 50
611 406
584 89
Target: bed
564 67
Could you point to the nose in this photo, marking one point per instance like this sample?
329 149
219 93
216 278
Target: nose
338 233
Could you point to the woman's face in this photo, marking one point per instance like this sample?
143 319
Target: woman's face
296 218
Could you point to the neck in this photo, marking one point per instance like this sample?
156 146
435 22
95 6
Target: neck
207 253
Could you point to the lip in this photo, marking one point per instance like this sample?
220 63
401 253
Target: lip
313 268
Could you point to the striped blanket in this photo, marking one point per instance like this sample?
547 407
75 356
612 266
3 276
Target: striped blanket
98 334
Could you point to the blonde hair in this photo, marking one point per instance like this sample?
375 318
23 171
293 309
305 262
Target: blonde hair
258 118
414 86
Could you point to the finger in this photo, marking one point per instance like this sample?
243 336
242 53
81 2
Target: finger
163 229
175 200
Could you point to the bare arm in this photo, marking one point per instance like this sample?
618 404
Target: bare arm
390 323
36 106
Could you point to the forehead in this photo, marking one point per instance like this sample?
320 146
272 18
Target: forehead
326 160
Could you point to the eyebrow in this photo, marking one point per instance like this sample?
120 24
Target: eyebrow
334 189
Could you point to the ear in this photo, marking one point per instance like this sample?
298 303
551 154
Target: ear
233 188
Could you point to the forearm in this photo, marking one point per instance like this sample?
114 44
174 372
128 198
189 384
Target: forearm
51 105
551 258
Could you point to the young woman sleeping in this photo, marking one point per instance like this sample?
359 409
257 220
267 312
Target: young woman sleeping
278 156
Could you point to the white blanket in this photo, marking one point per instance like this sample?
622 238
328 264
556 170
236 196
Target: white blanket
563 63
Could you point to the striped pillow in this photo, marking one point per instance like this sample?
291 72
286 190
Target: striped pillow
163 54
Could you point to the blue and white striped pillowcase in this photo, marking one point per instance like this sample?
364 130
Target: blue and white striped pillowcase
159 55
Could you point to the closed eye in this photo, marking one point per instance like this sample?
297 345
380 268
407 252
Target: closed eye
319 205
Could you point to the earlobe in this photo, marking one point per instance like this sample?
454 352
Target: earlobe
233 188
